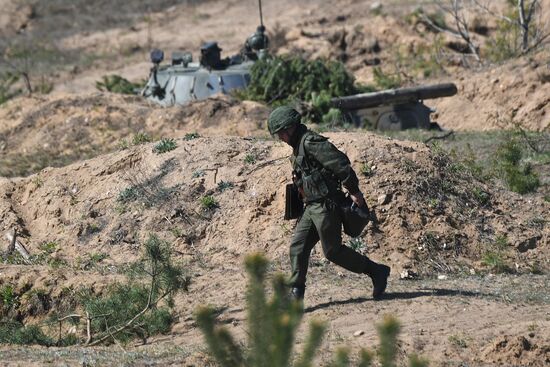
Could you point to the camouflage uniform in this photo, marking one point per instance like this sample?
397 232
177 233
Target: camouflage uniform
319 171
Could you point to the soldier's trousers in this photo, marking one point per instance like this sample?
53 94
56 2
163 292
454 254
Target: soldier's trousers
322 221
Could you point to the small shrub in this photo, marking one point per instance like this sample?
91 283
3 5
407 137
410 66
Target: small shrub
198 173
191 136
356 244
123 144
458 341
165 145
494 255
481 196
117 84
128 194
48 247
334 117
44 86
225 185
366 170
141 138
519 177
13 332
250 158
132 309
8 296
272 328
208 202
286 79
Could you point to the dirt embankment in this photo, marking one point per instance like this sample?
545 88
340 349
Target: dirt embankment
429 218
424 203
55 131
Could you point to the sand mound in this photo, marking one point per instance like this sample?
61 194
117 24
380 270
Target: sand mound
58 130
427 210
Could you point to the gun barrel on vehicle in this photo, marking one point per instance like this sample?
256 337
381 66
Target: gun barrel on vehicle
394 96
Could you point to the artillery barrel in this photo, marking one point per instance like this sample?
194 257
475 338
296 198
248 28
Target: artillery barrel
394 96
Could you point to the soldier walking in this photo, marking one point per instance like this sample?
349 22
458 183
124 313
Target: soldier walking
319 172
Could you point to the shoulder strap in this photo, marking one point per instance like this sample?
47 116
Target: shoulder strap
302 150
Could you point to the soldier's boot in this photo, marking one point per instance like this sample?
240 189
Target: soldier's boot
297 293
379 274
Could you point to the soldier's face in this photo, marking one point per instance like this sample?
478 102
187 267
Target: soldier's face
286 134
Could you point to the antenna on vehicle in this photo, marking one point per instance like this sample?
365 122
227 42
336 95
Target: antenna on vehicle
261 16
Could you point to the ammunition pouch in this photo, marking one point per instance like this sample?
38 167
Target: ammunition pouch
354 218
294 207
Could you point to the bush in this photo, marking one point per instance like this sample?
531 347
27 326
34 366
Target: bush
209 202
519 177
191 136
272 327
287 79
165 145
117 84
13 332
132 309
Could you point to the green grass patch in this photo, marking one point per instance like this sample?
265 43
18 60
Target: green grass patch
191 136
209 202
165 145
225 185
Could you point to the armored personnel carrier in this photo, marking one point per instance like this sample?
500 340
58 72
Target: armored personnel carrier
183 80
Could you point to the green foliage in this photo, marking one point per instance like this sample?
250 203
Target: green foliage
13 332
131 309
388 331
272 327
481 196
191 136
286 79
458 341
48 247
198 173
493 256
421 61
117 84
366 170
519 177
356 244
209 202
437 18
250 158
8 296
505 43
334 117
43 86
141 138
123 302
128 194
7 90
165 145
225 185
386 81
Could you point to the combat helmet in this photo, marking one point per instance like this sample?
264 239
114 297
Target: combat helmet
282 118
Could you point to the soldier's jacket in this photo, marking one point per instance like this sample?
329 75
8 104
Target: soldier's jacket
320 169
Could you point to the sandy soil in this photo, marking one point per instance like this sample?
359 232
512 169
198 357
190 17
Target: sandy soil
433 222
